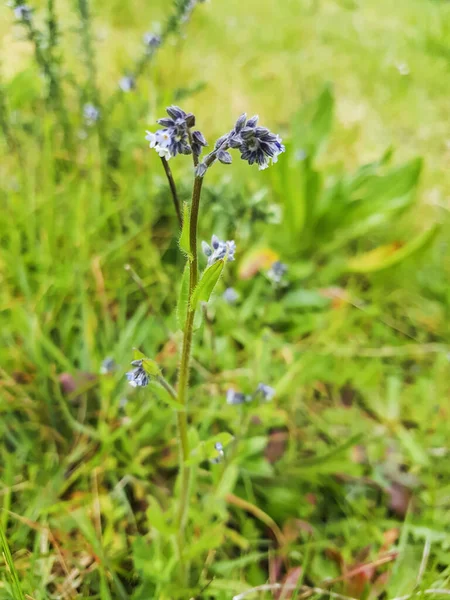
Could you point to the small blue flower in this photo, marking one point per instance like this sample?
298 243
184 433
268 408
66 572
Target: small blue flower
218 250
23 12
266 391
127 83
174 139
138 377
234 398
277 271
108 366
259 145
91 114
256 145
220 453
230 296
151 40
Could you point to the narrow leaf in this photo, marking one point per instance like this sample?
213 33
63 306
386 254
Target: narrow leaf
389 255
185 237
206 284
163 395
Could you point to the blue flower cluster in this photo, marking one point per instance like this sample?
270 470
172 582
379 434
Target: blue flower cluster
138 377
257 145
263 390
175 137
219 250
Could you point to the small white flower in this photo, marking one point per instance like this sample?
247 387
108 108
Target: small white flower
151 137
163 138
127 83
160 141
163 152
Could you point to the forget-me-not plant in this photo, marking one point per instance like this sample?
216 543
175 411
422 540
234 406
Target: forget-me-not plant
178 135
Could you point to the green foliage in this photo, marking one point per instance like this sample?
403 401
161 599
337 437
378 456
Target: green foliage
350 459
207 283
185 238
323 212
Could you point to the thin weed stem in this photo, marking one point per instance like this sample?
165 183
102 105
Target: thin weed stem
173 189
47 62
183 376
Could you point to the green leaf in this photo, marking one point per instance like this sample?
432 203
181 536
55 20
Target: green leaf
227 481
185 237
183 298
207 283
226 566
312 125
207 450
149 365
158 519
10 568
162 394
390 255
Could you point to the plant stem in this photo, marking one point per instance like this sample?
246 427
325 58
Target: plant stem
91 68
173 189
183 376
47 65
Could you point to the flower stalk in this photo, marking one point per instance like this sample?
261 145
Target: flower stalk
173 189
183 375
257 145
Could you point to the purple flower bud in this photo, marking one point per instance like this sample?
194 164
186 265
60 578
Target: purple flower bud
166 122
252 121
220 141
199 138
240 123
206 249
235 141
190 120
224 157
175 112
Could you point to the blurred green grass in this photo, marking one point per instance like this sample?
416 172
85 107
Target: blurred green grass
362 380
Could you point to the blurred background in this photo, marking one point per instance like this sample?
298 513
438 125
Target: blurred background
340 483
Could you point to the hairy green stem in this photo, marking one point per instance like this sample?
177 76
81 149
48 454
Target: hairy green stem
183 375
47 64
166 385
